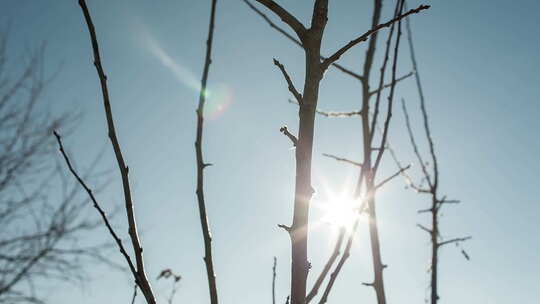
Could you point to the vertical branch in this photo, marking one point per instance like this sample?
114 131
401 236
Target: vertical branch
274 281
432 179
422 104
208 260
142 279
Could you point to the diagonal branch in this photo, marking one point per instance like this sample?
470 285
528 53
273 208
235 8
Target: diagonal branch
327 267
424 228
388 85
292 88
143 282
386 126
456 240
297 42
286 132
98 207
427 176
286 17
343 159
400 171
326 63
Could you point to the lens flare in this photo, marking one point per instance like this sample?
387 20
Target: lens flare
218 99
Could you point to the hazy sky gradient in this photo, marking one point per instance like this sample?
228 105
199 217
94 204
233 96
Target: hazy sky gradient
479 62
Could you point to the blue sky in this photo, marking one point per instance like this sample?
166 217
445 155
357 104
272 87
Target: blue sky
479 65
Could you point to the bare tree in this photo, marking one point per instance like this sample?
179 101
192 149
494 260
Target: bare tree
208 260
40 227
316 65
370 165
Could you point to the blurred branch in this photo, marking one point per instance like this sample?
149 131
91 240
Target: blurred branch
96 205
341 159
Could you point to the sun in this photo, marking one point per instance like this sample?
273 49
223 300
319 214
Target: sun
340 212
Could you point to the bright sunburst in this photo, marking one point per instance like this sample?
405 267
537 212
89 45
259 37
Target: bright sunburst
340 212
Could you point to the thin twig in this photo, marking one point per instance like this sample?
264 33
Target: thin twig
292 88
327 266
366 35
389 85
286 132
456 240
96 205
341 159
400 171
274 281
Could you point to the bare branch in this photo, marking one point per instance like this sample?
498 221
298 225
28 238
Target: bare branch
292 88
285 227
286 17
96 205
400 171
423 105
427 176
343 159
286 132
388 85
386 127
456 240
142 280
274 281
327 267
297 42
333 114
201 164
134 294
366 35
424 228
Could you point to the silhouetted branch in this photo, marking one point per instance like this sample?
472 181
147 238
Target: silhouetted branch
366 35
96 205
389 85
424 228
134 294
292 88
456 240
431 178
201 165
286 132
386 126
141 278
400 171
327 266
274 281
286 17
297 42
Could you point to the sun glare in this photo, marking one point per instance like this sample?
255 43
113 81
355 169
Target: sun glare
340 212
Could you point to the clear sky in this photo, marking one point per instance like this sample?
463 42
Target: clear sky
479 61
